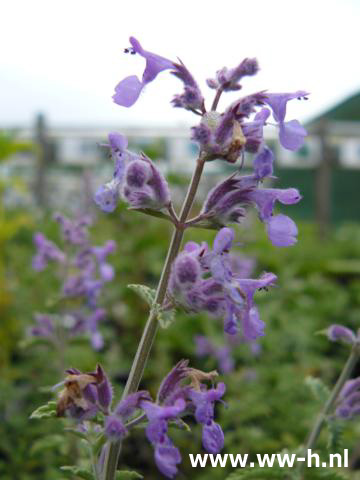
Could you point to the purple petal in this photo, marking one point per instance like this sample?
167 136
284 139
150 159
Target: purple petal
263 163
223 240
128 91
278 101
282 231
292 135
340 333
212 437
114 428
167 456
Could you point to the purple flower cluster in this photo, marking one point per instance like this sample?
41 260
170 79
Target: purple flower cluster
226 203
339 333
136 180
86 394
203 280
84 271
225 135
349 399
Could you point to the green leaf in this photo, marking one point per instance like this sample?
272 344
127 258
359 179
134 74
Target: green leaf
45 411
260 473
336 430
165 317
77 434
323 474
152 213
318 388
127 475
77 471
146 293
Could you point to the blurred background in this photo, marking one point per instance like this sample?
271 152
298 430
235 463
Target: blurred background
60 62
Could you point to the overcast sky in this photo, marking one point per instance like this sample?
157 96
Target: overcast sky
65 57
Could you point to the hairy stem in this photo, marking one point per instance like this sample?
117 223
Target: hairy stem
147 339
319 423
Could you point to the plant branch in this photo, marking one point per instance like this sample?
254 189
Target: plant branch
150 329
319 423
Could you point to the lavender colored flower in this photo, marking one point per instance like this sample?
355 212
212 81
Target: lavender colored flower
47 252
192 98
128 90
222 294
167 456
204 401
339 333
74 231
136 179
44 326
227 202
291 133
349 400
114 428
228 79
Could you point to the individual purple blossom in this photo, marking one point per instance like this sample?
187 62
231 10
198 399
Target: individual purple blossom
192 98
75 231
47 252
228 79
204 401
291 133
136 179
44 326
348 403
339 333
167 456
128 90
227 201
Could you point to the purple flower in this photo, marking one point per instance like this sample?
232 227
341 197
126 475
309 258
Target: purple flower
203 280
226 202
348 404
128 90
136 179
167 456
104 389
340 333
292 133
47 252
44 326
74 231
114 428
228 79
204 401
192 98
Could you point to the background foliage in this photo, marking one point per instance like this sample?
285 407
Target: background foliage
269 405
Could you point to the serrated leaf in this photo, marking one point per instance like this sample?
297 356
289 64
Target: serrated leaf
146 293
127 475
324 474
165 317
45 411
318 388
335 433
79 472
260 473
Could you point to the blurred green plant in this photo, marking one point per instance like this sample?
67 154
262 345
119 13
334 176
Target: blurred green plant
270 407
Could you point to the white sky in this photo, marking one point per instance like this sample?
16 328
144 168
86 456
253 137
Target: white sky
65 57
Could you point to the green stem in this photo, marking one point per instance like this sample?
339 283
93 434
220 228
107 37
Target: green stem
319 423
150 329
